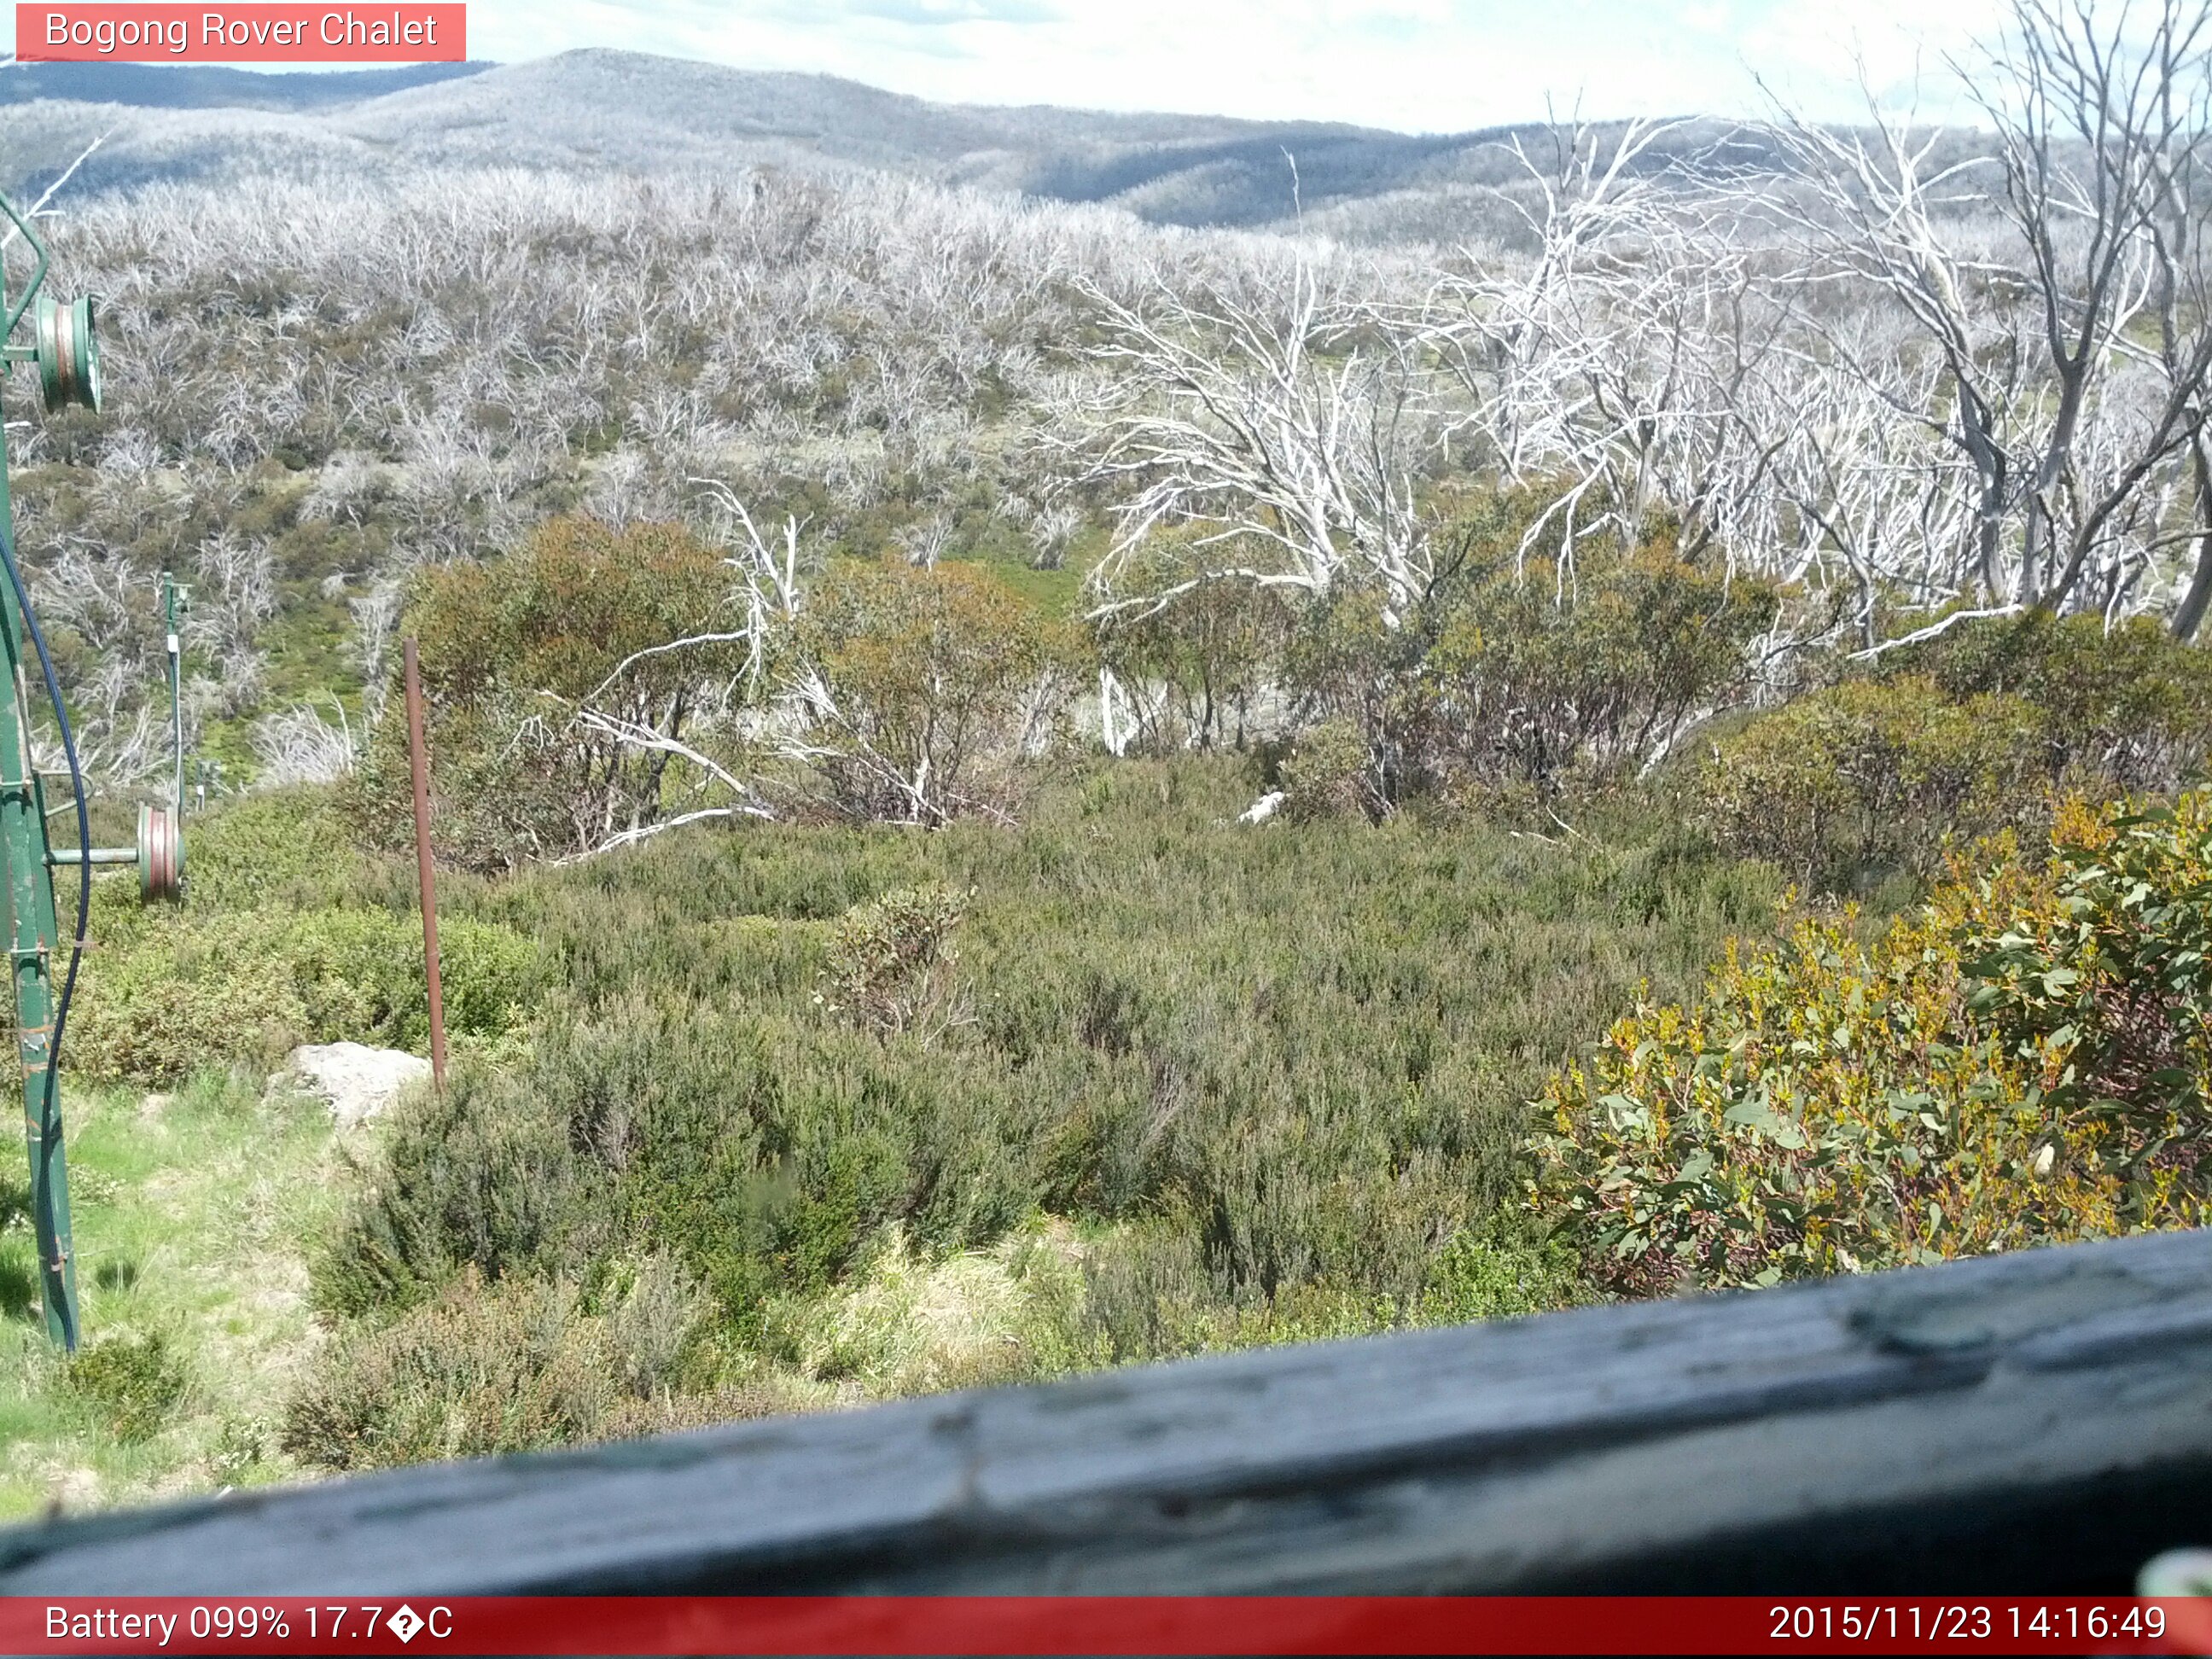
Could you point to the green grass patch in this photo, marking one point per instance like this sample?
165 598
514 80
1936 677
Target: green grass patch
192 1213
1056 593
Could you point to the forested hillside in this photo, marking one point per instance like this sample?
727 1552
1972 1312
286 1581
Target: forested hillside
1020 789
631 113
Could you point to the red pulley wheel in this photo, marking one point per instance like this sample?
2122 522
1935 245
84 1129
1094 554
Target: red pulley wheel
161 855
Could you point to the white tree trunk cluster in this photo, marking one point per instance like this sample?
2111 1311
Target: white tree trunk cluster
1912 367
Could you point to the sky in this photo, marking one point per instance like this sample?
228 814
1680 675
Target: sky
1414 65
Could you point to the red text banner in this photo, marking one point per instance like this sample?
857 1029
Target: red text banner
1101 1624
259 33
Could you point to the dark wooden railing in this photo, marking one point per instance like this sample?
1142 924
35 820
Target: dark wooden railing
2038 1423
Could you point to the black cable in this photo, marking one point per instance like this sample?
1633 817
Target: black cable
50 1112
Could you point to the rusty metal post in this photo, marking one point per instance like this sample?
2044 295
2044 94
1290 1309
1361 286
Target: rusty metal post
418 760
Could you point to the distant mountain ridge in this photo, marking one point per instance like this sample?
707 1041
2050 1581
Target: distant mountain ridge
207 86
635 112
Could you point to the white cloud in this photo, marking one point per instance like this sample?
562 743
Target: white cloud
1903 47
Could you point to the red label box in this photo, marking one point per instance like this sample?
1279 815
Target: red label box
259 33
1114 1624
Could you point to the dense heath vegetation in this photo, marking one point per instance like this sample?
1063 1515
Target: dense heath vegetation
785 1114
797 1107
1017 794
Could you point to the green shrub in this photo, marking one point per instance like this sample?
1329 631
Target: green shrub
2125 707
923 684
479 1177
136 1383
1488 1274
1978 728
360 974
1148 1294
193 990
1537 673
1518 671
2114 972
1330 773
1868 776
906 1323
189 993
511 647
2021 1062
1201 661
764 1157
510 1367
287 848
892 962
655 1314
1302 1058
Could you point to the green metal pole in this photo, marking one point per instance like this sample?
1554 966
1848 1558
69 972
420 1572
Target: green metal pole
176 685
33 935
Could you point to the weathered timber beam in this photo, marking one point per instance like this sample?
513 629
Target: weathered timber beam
2034 1422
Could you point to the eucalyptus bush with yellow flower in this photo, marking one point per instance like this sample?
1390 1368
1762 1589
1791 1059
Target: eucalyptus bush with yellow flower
2021 1060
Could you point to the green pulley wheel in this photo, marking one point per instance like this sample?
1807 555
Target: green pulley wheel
68 353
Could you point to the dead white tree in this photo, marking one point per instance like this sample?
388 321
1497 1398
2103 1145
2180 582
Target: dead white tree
1853 495
769 572
1050 532
925 540
629 734
2098 115
2032 317
298 746
375 625
617 716
1578 368
2181 304
1289 424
